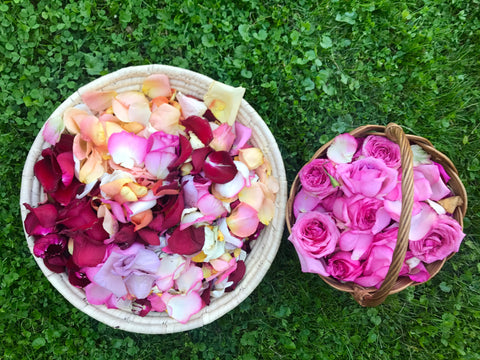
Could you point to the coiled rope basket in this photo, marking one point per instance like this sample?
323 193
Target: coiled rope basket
372 296
258 260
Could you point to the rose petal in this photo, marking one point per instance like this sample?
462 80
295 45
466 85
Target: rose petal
190 279
157 85
183 307
252 157
98 101
223 138
200 127
422 222
224 101
342 149
40 220
219 167
190 106
186 242
243 220
166 118
96 294
127 150
53 129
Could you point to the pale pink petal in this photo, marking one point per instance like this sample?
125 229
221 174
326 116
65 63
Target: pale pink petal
98 101
139 285
195 217
122 102
223 138
190 106
97 295
432 174
127 150
182 307
190 279
157 163
157 85
243 221
342 149
422 222
53 129
209 205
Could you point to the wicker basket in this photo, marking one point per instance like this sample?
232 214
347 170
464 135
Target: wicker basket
258 260
393 283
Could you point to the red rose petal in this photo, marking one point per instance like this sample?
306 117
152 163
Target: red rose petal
87 252
48 173
198 159
219 167
40 220
56 263
149 236
200 127
186 242
185 152
236 275
67 166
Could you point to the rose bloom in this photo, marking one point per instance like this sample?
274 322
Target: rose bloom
360 213
382 148
315 178
444 238
341 266
368 176
314 236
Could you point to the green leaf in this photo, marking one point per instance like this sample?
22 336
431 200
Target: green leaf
38 342
326 42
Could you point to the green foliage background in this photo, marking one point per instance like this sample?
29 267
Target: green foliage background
312 69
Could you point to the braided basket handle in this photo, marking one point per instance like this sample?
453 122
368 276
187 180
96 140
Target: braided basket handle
395 133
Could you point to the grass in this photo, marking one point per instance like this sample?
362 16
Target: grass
312 69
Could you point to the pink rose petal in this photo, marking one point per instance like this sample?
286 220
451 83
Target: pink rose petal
53 130
183 307
127 149
243 221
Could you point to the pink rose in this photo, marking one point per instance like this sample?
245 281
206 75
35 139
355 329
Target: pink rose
414 268
341 266
315 178
360 213
443 239
378 259
368 176
314 236
382 148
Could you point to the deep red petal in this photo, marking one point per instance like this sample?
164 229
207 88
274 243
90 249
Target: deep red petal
200 127
76 277
219 167
159 189
173 214
149 236
56 263
236 276
65 144
206 293
78 215
198 159
126 236
186 242
65 194
48 173
209 116
49 245
185 152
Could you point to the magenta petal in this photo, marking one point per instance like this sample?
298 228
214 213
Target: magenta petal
422 222
67 166
40 220
219 167
200 127
49 245
48 173
354 241
149 236
186 242
304 202
87 252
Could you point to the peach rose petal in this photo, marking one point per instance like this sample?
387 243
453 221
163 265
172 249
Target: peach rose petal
224 101
92 169
98 101
157 85
252 157
243 221
253 196
166 118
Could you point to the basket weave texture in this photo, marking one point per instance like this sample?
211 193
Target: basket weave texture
259 259
371 297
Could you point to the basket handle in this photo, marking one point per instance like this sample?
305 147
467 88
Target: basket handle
366 298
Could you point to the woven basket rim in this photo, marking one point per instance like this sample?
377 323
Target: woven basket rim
258 261
455 184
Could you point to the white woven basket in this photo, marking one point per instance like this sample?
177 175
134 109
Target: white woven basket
258 261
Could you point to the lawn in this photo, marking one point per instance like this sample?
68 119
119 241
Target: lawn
312 69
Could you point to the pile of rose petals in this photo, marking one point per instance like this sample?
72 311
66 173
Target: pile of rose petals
153 197
347 212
